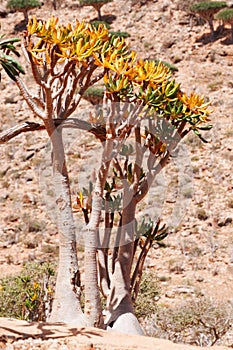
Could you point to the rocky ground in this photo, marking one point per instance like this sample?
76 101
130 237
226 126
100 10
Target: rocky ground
24 336
198 256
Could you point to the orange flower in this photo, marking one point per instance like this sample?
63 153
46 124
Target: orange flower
195 103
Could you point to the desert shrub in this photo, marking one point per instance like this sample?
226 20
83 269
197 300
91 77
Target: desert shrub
120 34
200 322
94 95
96 24
149 291
29 294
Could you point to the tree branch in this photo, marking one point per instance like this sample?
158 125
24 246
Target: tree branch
98 130
29 99
9 134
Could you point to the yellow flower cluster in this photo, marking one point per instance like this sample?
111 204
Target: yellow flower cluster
195 104
149 71
72 43
125 75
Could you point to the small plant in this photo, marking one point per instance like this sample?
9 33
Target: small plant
149 290
207 10
29 295
97 23
36 225
120 34
201 214
23 6
94 95
226 16
97 4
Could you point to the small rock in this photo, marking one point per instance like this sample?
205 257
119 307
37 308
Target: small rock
168 44
199 279
157 17
221 52
11 99
180 290
29 198
224 221
170 294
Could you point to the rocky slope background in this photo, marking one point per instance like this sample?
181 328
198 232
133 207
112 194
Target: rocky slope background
196 261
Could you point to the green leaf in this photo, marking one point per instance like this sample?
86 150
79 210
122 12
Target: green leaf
10 71
10 60
161 236
200 136
207 127
9 41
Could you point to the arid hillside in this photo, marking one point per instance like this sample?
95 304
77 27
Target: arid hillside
197 257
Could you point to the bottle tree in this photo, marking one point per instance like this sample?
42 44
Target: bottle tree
97 4
226 16
207 10
144 116
23 6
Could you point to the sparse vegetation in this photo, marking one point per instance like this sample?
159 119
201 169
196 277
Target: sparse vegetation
199 321
29 295
202 322
202 214
149 292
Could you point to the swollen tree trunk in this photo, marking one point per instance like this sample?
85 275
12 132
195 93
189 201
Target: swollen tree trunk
93 309
25 13
210 21
66 306
120 312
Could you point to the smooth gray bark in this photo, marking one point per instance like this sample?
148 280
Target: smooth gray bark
66 305
120 311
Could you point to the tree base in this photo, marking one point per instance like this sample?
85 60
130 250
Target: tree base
126 323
